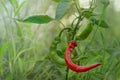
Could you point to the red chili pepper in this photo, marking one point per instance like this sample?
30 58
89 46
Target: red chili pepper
71 65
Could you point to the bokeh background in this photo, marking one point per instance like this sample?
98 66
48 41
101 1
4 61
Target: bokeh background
24 46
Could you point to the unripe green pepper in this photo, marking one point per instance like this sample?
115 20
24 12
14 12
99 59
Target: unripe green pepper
57 59
53 52
84 31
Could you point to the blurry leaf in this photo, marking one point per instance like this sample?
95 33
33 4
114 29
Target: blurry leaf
80 58
57 0
20 63
19 32
114 55
59 53
21 52
4 5
14 3
37 66
99 75
101 23
39 19
8 77
113 52
3 48
62 8
20 6
88 14
105 2
34 70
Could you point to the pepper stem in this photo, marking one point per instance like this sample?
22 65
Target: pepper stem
67 72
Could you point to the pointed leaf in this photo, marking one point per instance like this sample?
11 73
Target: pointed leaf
101 23
62 8
19 7
14 3
4 6
39 19
34 70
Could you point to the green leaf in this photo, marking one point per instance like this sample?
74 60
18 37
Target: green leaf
31 74
39 19
20 6
57 0
14 3
4 6
62 8
20 64
101 23
37 66
20 53
3 48
105 2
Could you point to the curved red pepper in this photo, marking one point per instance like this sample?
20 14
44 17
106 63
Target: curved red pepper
71 65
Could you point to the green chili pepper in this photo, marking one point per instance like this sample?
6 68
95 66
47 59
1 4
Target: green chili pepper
53 55
53 52
84 31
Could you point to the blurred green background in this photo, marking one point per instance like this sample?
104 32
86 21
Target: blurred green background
24 46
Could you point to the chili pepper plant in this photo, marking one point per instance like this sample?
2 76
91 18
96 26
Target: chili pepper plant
74 48
78 30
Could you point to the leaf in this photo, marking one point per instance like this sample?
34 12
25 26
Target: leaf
20 63
57 0
3 48
39 19
20 53
62 8
33 72
37 66
4 6
105 2
101 23
14 3
20 6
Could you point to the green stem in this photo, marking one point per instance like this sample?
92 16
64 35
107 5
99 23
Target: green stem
76 5
103 13
63 30
74 21
61 23
67 72
75 29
